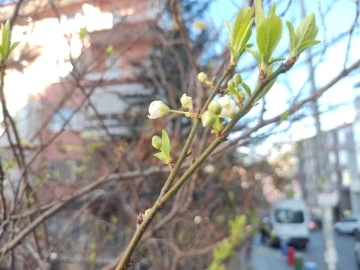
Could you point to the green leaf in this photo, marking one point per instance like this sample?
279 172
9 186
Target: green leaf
2 52
306 44
265 90
5 39
272 9
83 32
243 37
9 164
110 49
268 37
259 14
231 49
247 89
232 89
161 156
272 61
227 25
13 46
92 256
307 29
254 53
291 35
165 148
242 28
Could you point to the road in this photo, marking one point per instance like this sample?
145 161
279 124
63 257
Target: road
267 258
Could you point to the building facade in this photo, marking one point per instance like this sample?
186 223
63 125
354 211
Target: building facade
74 90
342 169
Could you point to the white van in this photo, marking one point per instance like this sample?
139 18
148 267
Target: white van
290 223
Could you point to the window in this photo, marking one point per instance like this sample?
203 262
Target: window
332 158
345 178
63 115
289 216
63 169
330 140
112 62
342 157
334 178
342 137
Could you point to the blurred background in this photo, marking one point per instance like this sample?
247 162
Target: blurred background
75 140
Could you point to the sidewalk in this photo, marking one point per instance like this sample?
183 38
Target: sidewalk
265 258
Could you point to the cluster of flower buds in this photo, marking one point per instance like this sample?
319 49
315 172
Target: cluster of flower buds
224 107
158 109
234 88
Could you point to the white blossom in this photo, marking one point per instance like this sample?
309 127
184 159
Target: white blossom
186 101
157 109
202 77
229 108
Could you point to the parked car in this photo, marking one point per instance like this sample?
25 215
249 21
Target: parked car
349 225
357 251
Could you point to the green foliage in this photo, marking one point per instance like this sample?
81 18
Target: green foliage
6 46
110 49
269 31
223 251
92 256
246 88
241 33
217 266
226 249
304 37
83 32
93 146
165 149
236 91
9 164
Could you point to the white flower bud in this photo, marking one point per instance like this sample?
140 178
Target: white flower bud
197 219
202 77
186 101
215 107
156 142
157 109
208 119
229 107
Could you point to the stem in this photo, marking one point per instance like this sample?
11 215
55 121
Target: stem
258 89
216 89
179 112
181 158
164 197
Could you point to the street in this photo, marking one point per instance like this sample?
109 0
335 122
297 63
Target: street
267 258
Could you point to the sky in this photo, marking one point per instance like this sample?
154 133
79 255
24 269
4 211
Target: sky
340 17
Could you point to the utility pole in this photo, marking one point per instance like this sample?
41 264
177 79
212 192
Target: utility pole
323 183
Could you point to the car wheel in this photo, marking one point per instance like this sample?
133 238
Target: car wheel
356 232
